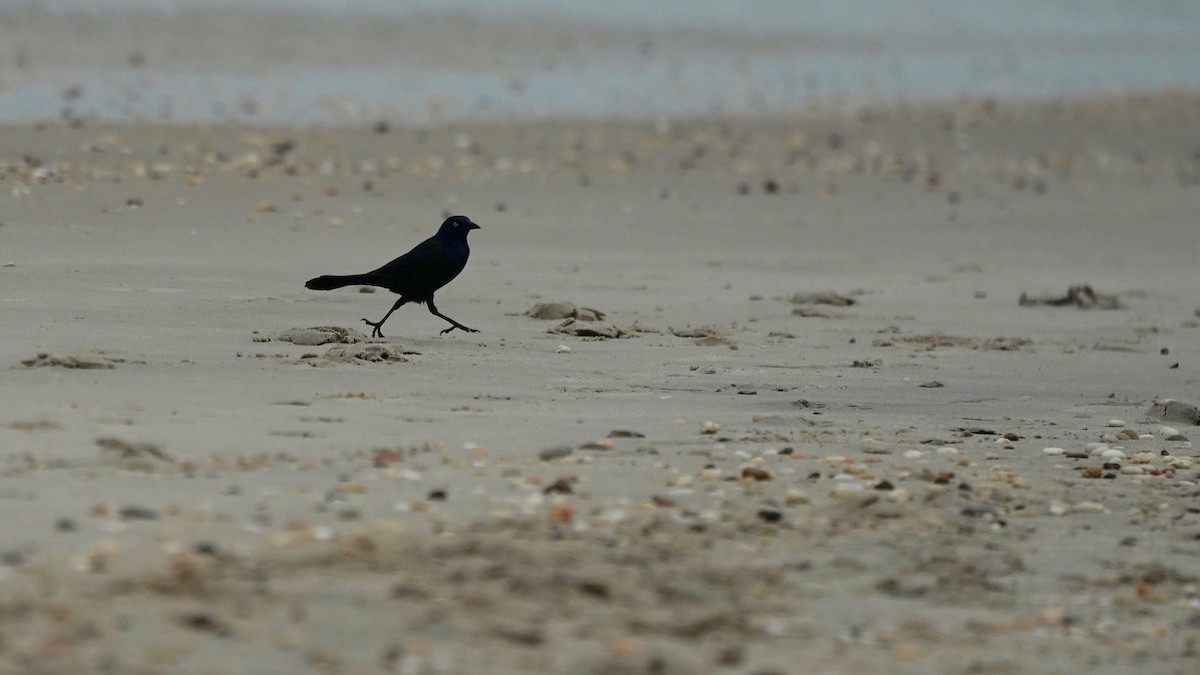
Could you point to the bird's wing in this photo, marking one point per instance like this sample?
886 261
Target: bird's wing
424 258
430 265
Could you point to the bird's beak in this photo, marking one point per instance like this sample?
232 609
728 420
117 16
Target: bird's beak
472 226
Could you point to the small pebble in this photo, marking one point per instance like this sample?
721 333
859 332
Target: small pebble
913 454
754 473
1112 453
562 349
206 547
137 513
770 515
947 450
625 433
846 490
1053 451
561 487
796 497
1116 423
558 452
1088 507
560 514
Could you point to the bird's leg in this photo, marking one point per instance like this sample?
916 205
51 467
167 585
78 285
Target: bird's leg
454 324
375 325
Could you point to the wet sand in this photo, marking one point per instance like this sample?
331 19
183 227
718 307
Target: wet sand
821 435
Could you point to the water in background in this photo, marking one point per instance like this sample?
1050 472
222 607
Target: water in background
729 57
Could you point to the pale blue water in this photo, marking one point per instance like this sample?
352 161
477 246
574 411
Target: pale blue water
920 49
1149 19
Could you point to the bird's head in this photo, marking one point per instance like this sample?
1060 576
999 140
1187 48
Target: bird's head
457 226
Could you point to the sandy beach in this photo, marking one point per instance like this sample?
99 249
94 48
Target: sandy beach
794 419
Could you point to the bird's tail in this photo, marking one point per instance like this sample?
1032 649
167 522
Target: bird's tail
329 282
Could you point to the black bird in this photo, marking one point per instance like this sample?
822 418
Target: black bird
416 275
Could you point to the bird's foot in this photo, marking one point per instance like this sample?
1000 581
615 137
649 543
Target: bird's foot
375 332
459 326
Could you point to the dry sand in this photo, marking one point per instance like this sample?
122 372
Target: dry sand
740 483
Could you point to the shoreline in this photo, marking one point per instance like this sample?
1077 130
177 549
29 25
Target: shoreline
256 68
819 110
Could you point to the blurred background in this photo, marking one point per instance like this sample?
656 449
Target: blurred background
411 62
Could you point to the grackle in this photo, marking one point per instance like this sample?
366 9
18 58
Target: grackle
416 275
